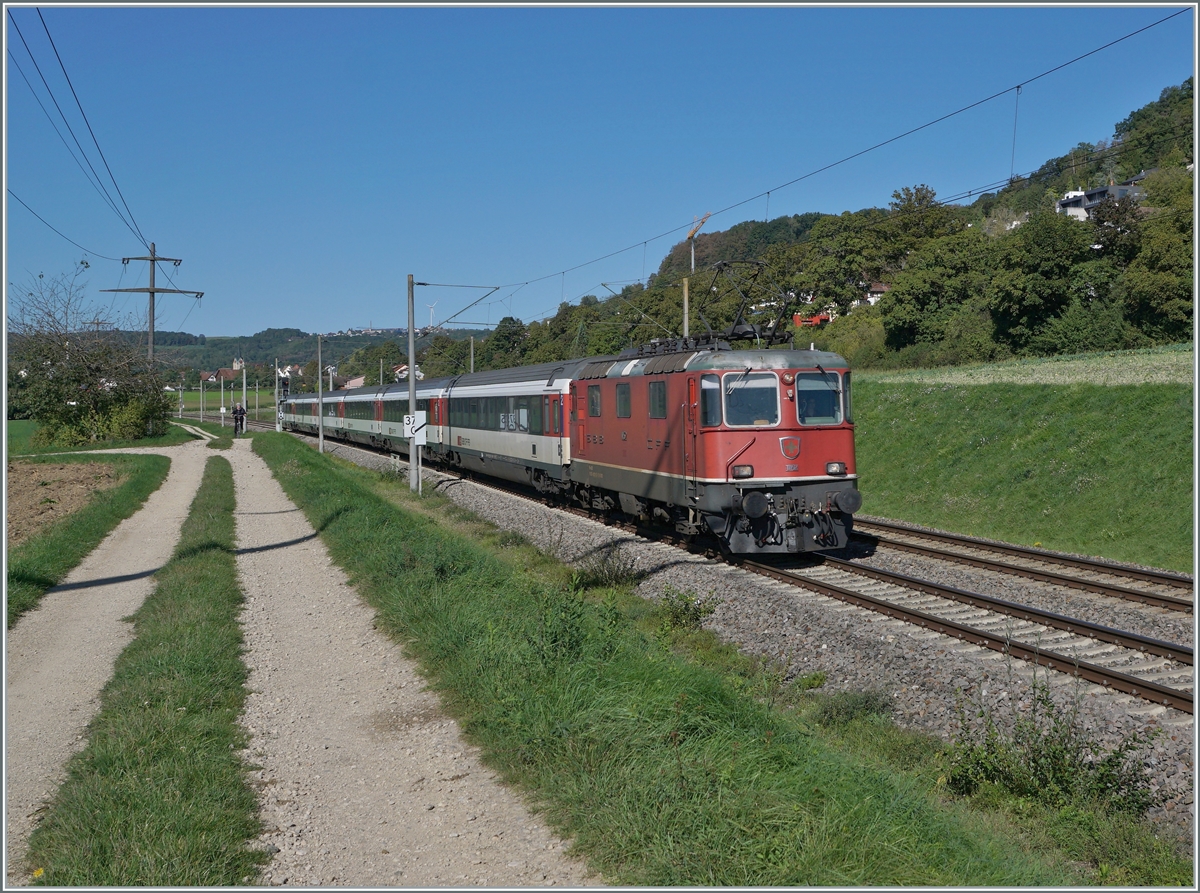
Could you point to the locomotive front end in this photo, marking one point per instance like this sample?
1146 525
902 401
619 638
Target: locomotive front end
781 467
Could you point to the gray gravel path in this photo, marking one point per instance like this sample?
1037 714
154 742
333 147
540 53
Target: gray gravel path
364 781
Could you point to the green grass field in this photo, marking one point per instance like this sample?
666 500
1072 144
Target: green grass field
20 441
212 401
1101 470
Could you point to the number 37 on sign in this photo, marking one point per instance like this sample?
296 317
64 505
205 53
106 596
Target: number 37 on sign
414 427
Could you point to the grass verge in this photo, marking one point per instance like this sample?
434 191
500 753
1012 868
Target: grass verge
1080 468
45 559
661 770
158 797
20 441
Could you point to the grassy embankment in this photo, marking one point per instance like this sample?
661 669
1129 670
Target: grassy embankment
1100 469
159 797
665 770
46 558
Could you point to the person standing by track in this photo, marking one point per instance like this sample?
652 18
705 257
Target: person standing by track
239 420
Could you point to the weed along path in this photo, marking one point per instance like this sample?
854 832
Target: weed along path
60 655
363 780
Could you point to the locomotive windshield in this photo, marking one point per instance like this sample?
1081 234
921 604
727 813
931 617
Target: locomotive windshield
751 398
818 398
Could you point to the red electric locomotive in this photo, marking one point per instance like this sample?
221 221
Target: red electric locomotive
756 446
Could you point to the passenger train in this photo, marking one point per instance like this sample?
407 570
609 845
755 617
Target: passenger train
753 446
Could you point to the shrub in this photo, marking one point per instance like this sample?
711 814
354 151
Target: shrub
842 708
1048 757
685 610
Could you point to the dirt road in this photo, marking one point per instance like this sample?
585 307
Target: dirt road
362 779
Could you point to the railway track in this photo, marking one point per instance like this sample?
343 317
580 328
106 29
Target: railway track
1179 594
1151 669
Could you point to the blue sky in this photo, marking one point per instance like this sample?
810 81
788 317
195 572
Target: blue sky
303 161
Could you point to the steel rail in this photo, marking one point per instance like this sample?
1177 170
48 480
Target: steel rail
1113 589
1166 578
1140 688
1181 653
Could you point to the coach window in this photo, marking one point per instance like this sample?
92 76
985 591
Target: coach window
818 398
710 400
594 400
473 414
535 416
658 399
751 399
623 410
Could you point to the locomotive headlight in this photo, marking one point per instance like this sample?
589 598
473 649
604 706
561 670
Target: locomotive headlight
835 467
743 471
788 378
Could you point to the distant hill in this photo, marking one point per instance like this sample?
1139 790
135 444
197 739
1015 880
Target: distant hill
183 350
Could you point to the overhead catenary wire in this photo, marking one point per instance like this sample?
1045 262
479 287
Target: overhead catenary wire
98 181
869 149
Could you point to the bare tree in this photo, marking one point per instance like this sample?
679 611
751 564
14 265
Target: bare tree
73 369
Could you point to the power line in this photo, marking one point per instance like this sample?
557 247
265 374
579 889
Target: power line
89 127
111 203
862 152
72 241
103 197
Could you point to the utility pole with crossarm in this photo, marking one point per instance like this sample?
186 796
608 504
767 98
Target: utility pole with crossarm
154 258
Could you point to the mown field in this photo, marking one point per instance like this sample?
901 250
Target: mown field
1038 453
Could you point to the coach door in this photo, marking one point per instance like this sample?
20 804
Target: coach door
551 420
578 423
691 439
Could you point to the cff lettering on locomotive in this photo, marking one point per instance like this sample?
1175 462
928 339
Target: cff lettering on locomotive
752 446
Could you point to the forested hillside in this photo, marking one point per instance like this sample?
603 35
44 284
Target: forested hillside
1004 276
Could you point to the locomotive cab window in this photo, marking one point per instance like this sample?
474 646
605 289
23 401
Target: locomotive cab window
710 400
658 399
751 399
623 405
818 398
594 400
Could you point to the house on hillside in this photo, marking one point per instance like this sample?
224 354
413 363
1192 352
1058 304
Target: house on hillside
875 291
220 375
357 382
1079 203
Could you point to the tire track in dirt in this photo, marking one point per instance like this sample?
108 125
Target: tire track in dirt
59 656
363 780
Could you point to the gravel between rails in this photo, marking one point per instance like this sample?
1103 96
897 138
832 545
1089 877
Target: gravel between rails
363 780
59 656
925 672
